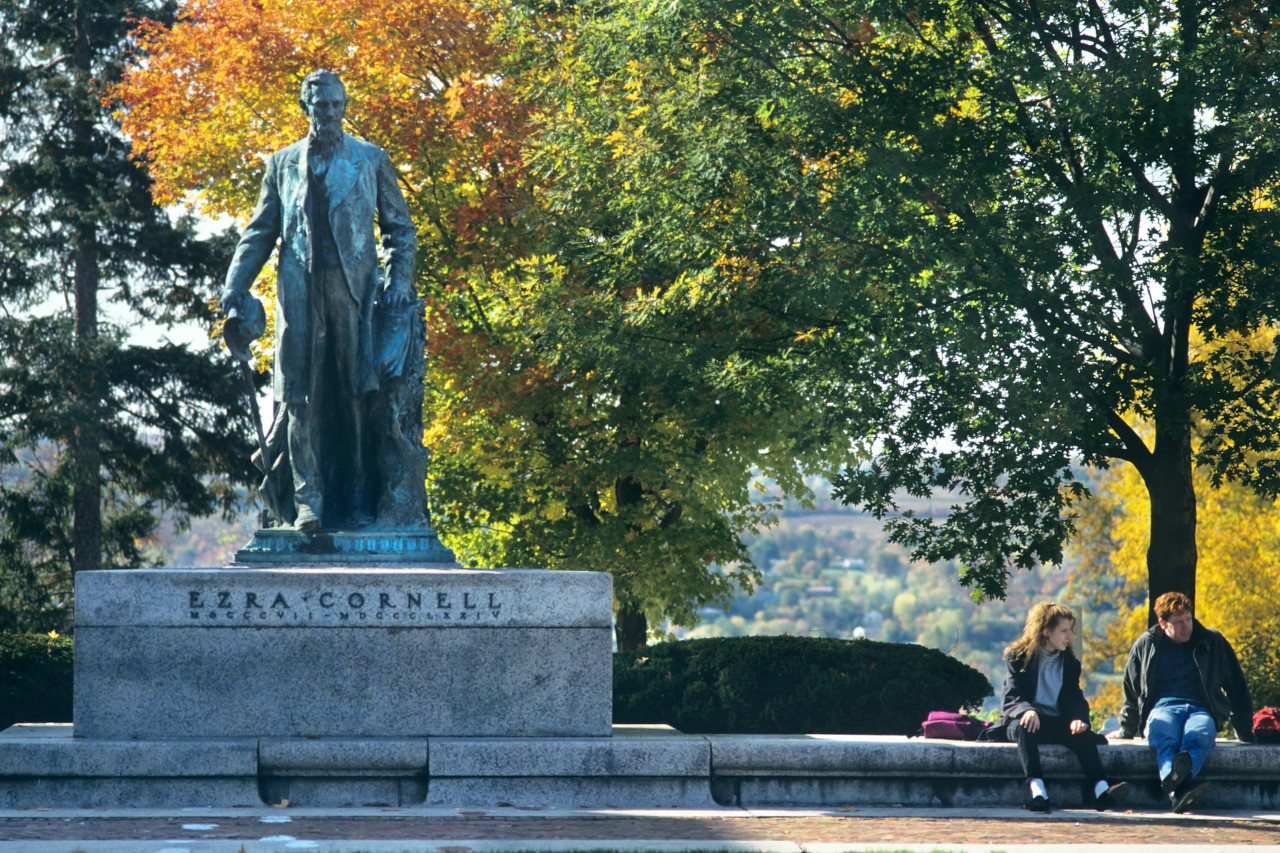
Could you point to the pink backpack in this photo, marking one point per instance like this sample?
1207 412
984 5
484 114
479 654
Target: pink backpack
950 725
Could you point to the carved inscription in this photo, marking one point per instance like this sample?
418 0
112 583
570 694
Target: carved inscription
345 606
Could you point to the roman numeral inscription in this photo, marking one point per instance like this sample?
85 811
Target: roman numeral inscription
345 606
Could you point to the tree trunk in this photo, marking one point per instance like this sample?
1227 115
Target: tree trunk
1171 552
86 452
631 628
86 525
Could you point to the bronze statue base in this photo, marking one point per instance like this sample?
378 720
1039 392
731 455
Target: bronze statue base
274 546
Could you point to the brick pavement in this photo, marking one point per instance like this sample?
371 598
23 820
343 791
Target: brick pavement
872 826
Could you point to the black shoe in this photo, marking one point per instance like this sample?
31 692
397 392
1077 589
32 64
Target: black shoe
1190 791
1037 804
1113 797
1178 774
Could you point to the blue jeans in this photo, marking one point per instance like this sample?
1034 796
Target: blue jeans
1181 727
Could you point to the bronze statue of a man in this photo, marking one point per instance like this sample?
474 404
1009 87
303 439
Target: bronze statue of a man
330 444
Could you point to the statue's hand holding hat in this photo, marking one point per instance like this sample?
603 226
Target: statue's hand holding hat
246 321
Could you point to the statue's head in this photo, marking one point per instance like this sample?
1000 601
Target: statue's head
324 100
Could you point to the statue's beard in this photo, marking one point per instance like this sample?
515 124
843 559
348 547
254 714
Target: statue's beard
324 138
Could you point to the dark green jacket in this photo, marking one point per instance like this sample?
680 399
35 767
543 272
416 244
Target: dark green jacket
1220 676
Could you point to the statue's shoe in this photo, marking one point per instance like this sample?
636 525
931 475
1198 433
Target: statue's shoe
307 521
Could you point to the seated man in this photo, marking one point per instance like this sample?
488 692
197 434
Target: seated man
1174 687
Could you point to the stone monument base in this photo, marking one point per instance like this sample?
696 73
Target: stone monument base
43 766
342 651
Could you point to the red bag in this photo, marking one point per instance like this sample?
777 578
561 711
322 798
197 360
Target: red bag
1266 725
950 725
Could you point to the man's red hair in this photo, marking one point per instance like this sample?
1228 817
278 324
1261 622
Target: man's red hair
1171 604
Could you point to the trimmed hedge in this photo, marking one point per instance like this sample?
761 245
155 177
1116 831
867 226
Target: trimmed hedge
762 685
35 679
790 685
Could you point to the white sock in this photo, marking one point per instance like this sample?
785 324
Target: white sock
1100 788
1038 789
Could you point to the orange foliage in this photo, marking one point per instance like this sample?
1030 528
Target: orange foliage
216 93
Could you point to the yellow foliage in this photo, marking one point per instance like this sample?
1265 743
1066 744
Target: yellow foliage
969 105
1237 574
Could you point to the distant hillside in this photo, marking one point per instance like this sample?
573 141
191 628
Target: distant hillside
831 571
207 542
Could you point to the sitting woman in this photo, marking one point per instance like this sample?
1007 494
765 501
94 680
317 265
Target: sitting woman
1042 703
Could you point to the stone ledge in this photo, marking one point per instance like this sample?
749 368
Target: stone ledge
50 750
638 767
559 792
652 765
888 755
343 772
632 751
819 770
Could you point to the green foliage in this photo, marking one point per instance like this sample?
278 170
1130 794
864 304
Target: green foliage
567 428
582 421
35 679
977 236
781 685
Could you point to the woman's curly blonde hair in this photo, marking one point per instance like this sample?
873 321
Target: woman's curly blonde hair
1043 616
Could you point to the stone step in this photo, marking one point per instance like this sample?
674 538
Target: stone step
43 765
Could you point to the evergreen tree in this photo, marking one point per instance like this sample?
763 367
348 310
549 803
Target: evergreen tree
100 430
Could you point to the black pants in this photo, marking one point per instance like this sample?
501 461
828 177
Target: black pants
1056 730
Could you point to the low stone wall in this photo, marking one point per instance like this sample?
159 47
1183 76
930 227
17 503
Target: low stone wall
818 770
638 767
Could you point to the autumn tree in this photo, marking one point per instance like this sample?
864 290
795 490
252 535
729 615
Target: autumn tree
626 450
988 231
101 427
1238 541
211 96
567 429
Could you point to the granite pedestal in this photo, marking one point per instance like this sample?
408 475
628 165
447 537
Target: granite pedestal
342 651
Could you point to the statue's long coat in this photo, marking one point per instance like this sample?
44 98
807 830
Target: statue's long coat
362 188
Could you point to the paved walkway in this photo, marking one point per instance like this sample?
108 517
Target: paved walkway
387 830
